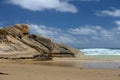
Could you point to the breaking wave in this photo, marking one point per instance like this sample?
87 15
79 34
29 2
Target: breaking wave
100 51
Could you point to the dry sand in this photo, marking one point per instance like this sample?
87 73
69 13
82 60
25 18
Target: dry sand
41 71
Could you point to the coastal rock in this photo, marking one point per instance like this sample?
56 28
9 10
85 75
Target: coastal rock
16 42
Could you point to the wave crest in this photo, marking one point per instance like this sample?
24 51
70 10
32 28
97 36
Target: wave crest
100 51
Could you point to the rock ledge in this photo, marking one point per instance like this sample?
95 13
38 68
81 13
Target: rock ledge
16 42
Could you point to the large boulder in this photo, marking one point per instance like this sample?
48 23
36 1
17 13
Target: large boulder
18 30
24 29
17 42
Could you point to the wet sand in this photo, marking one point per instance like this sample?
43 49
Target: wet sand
59 69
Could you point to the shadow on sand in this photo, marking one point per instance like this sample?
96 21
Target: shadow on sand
1 73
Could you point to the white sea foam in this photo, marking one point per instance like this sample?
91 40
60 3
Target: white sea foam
100 51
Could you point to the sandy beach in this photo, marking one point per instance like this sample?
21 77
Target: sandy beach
59 69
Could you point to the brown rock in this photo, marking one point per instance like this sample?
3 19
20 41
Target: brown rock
16 42
23 28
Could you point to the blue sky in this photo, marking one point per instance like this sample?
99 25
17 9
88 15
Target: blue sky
77 23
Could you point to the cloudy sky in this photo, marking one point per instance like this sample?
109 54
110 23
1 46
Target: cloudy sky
78 23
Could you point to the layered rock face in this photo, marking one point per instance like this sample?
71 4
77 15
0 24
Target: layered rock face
17 42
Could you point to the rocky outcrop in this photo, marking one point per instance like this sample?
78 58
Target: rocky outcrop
16 42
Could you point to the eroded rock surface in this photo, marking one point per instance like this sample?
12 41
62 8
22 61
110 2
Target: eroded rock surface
17 42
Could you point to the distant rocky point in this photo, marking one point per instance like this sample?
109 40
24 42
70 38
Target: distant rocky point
16 42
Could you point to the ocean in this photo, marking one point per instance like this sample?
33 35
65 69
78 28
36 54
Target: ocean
100 51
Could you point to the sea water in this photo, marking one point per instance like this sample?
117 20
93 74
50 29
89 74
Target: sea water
94 58
100 51
102 54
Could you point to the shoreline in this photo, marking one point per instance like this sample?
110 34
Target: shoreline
69 62
55 70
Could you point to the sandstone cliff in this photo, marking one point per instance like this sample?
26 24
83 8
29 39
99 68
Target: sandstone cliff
17 42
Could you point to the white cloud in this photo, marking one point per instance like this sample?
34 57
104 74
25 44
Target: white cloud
117 22
57 34
90 0
97 36
84 0
43 30
41 5
82 36
94 32
113 12
85 30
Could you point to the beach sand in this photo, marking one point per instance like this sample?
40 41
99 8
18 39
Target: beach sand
58 69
